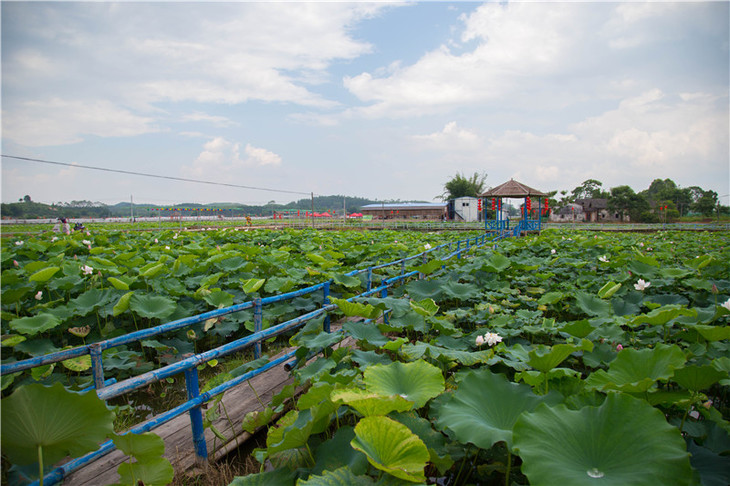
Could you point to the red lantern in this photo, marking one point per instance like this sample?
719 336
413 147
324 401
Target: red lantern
529 204
494 204
479 205
500 204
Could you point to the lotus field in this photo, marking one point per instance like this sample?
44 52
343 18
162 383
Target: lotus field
568 358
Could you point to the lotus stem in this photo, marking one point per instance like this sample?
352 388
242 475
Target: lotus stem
40 464
509 467
257 395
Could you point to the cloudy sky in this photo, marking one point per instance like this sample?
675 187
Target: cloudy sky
379 100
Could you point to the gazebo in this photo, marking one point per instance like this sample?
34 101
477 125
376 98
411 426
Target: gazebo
531 218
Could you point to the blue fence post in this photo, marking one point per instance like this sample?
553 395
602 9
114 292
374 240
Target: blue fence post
257 325
384 294
403 267
97 369
196 416
325 301
458 248
370 279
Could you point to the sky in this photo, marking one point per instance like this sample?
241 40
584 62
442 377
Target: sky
382 100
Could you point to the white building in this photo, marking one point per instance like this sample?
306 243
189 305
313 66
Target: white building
464 209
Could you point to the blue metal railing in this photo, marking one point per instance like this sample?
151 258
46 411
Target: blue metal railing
110 388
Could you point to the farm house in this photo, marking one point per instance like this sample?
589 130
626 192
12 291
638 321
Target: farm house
405 210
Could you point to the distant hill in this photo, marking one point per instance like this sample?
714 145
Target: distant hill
89 209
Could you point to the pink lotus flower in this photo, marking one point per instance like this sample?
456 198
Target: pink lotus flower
39 295
87 270
619 347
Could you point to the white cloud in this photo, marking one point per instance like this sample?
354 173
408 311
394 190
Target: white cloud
58 121
450 138
222 159
127 59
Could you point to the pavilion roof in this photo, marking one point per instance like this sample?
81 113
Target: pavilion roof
512 188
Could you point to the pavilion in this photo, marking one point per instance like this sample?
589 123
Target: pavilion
530 217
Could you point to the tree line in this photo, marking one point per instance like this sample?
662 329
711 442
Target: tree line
663 200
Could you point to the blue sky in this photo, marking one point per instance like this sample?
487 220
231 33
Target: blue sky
380 100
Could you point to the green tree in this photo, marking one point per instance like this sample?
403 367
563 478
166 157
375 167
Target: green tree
590 188
462 186
625 201
706 204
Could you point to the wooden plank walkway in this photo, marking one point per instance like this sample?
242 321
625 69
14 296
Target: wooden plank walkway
179 450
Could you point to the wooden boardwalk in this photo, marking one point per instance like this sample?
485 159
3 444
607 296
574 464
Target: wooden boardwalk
234 406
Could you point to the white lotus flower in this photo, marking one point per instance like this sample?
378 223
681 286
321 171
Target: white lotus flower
492 338
641 285
156 240
19 243
86 242
480 340
427 246
55 238
726 304
87 270
167 248
39 295
552 252
603 259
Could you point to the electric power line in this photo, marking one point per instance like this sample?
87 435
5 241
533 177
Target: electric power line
157 176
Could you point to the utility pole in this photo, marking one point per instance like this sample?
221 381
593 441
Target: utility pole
131 208
312 213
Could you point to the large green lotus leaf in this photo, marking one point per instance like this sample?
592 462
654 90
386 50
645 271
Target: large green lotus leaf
339 477
33 325
62 422
279 477
544 358
485 407
279 284
154 472
439 448
497 263
142 446
122 304
426 307
698 378
44 275
348 281
152 306
391 447
219 299
623 441
357 309
232 264
551 298
460 291
89 301
713 333
592 305
368 333
662 315
714 468
425 289
417 381
429 267
637 370
369 403
151 270
579 329
251 285
336 453
466 358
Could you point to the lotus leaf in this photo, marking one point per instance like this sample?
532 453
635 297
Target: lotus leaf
368 403
152 306
58 421
485 407
391 447
417 381
623 441
44 275
36 324
636 370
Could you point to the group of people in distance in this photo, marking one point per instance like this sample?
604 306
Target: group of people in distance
63 226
